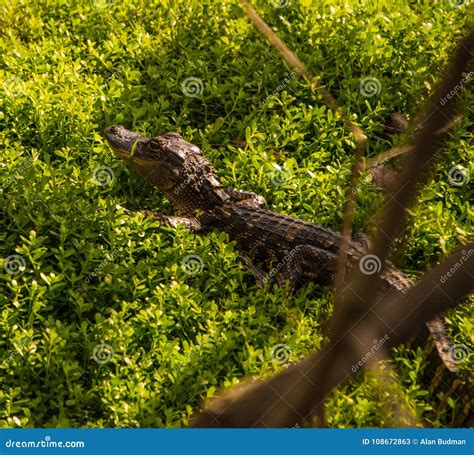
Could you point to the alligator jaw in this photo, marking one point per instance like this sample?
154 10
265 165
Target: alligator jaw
122 141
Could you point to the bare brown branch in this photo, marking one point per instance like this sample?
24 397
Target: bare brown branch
360 138
291 396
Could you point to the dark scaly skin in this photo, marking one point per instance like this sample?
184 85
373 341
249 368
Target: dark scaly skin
275 247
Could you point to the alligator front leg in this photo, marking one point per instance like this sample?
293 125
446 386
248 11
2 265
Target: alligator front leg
246 198
305 263
169 220
260 275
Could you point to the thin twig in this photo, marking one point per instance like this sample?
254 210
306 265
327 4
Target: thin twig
360 138
296 393
291 396
387 155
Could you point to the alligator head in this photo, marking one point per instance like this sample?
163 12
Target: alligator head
171 164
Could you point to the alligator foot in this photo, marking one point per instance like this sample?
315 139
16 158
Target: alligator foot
246 198
260 275
305 262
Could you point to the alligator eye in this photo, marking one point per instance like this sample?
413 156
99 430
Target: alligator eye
156 144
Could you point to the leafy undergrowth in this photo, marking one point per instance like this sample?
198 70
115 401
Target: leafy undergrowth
101 325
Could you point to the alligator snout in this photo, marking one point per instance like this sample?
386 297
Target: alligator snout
120 139
114 129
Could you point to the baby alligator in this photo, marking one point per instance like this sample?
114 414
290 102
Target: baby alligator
273 246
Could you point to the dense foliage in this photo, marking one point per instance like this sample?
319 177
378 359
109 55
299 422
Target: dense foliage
101 325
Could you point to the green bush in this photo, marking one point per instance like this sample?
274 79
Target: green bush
102 326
